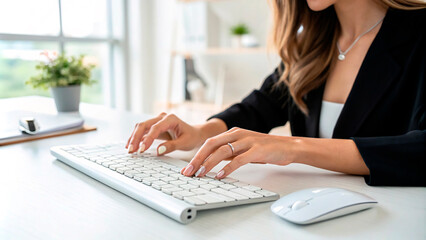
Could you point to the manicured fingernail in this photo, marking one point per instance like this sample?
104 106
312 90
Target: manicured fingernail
130 148
188 169
141 148
161 150
220 174
200 171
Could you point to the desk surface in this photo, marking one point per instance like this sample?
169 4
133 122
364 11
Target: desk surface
42 198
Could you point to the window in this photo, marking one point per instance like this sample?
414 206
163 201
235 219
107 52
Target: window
88 27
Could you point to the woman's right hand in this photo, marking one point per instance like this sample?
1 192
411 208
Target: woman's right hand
179 135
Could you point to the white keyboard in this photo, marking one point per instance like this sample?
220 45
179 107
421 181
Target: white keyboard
156 181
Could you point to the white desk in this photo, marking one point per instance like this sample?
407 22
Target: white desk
42 198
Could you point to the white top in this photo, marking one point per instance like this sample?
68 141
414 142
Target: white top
330 112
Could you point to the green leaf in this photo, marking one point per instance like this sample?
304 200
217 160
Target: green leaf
62 71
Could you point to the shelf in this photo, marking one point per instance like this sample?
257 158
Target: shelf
220 51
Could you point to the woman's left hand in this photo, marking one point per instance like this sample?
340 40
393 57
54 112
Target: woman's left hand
247 147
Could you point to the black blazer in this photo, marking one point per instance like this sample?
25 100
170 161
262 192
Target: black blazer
385 111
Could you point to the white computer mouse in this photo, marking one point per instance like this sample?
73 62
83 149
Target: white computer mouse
319 204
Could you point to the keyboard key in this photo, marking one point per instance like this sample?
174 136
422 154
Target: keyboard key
196 182
115 166
130 173
176 175
93 159
182 194
160 169
188 186
216 183
252 188
149 166
149 172
184 178
158 175
168 179
140 176
140 169
210 198
100 161
168 166
176 169
204 179
227 186
239 184
135 161
230 194
157 184
177 182
228 180
122 169
266 193
171 190
168 172
148 181
168 186
211 175
222 197
208 186
194 201
133 166
199 191
120 161
246 193
106 164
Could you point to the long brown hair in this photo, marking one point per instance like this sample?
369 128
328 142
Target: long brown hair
309 54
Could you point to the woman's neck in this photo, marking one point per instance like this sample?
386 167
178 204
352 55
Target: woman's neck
356 17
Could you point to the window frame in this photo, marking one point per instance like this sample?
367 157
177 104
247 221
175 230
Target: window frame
117 51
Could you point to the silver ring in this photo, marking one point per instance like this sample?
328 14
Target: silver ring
232 148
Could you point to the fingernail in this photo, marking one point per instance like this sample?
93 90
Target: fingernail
188 169
130 148
141 148
161 150
200 171
220 174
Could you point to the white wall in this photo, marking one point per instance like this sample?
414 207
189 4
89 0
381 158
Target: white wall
140 55
150 34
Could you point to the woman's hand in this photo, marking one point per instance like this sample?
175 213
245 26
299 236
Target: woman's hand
180 135
248 147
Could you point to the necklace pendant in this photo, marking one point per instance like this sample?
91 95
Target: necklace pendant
341 57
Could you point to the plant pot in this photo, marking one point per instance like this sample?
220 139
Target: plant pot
67 99
236 41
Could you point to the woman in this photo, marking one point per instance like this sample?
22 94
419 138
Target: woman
354 76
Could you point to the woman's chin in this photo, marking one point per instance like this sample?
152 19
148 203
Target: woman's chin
319 5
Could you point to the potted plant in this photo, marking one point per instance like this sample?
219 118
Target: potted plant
64 76
238 31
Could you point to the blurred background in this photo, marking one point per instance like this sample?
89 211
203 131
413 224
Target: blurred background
150 55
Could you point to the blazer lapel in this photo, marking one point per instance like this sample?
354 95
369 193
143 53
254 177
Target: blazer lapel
375 76
373 80
314 102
